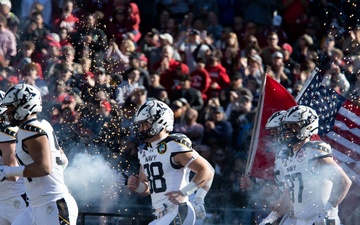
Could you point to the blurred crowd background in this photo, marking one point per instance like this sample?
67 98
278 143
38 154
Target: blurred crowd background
96 61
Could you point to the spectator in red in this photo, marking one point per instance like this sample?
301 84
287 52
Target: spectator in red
219 78
288 60
200 78
132 19
64 37
170 69
67 19
51 58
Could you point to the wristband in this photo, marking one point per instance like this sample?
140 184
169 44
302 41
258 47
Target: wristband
141 188
328 206
201 193
14 171
272 217
189 189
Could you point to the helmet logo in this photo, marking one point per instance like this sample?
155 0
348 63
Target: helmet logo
162 147
301 155
27 95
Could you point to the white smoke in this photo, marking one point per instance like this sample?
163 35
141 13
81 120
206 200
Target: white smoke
91 180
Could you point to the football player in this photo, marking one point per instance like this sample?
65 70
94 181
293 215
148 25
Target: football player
166 161
317 184
283 205
12 194
39 154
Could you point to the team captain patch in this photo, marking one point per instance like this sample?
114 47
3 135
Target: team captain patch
162 147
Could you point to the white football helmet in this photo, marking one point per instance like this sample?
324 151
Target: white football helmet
273 124
25 98
158 114
274 121
3 109
305 117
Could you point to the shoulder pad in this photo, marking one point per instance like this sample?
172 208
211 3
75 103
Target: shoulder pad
30 127
5 128
7 133
319 146
10 132
180 138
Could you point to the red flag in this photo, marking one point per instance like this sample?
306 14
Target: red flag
274 98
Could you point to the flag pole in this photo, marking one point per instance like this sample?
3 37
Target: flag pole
256 128
307 82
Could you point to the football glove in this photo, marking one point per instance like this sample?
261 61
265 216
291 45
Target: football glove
199 208
272 217
326 214
122 179
2 174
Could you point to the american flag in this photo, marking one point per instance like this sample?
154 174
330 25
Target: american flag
325 100
339 123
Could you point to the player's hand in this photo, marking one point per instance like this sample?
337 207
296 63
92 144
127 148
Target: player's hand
2 174
327 213
122 179
264 222
246 183
199 208
133 182
176 197
321 220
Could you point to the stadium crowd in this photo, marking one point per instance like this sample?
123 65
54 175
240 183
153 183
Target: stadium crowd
96 61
